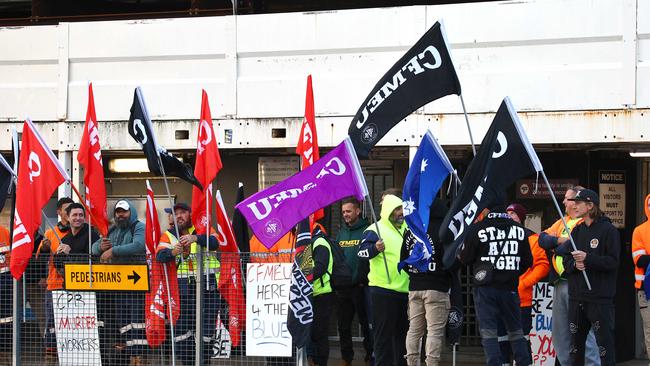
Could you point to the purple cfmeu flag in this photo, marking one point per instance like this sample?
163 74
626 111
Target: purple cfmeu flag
272 212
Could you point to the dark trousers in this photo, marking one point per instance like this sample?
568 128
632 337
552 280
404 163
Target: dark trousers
526 326
6 313
323 305
349 302
492 304
129 314
584 316
390 325
49 340
186 324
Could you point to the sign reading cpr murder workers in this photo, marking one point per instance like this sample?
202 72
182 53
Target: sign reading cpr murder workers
267 307
611 189
541 338
75 323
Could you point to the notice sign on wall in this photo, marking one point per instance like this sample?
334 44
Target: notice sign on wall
526 188
541 337
611 189
267 307
274 169
75 322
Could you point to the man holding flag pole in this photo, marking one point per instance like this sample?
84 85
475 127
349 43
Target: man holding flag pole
421 253
155 299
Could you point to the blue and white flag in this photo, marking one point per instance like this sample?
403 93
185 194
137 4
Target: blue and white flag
428 171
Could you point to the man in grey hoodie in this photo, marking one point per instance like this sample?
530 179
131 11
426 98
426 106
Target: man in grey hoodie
124 310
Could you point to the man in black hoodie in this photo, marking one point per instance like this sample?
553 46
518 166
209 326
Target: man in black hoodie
498 250
428 293
598 247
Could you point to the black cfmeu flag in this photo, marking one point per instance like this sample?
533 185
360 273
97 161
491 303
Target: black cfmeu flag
504 156
239 224
141 129
6 177
425 73
301 315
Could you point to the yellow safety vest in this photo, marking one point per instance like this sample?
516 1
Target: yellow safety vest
187 267
323 285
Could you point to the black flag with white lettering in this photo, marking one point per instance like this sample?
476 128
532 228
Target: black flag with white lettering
301 315
425 73
141 129
504 156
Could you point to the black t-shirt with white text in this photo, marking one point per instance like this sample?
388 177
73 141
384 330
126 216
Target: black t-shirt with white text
502 242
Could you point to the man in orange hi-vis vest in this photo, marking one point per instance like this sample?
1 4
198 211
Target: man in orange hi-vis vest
641 258
278 253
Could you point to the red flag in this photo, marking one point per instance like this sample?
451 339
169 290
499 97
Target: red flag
156 300
208 164
152 226
307 146
39 174
230 281
90 157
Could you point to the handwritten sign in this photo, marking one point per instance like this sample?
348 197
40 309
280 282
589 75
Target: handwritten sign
75 322
267 306
541 334
222 345
611 189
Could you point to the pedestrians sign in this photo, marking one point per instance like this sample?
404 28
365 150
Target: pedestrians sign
107 277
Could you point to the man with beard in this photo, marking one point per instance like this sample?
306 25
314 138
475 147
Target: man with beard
497 249
172 247
353 300
388 291
125 245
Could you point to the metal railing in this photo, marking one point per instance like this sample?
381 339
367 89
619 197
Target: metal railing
62 321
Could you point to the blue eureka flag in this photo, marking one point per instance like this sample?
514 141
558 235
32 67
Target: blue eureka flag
428 171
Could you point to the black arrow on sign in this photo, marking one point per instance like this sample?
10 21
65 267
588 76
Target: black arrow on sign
135 277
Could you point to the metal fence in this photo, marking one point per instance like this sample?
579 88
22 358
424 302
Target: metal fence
62 320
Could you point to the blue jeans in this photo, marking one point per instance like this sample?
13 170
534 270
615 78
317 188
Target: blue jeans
561 334
491 305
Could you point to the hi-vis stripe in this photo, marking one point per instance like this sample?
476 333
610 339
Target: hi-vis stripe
638 252
303 236
6 320
128 327
183 337
639 277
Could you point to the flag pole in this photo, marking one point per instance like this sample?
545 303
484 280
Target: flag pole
169 301
15 340
198 338
171 202
171 317
469 130
374 217
566 227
